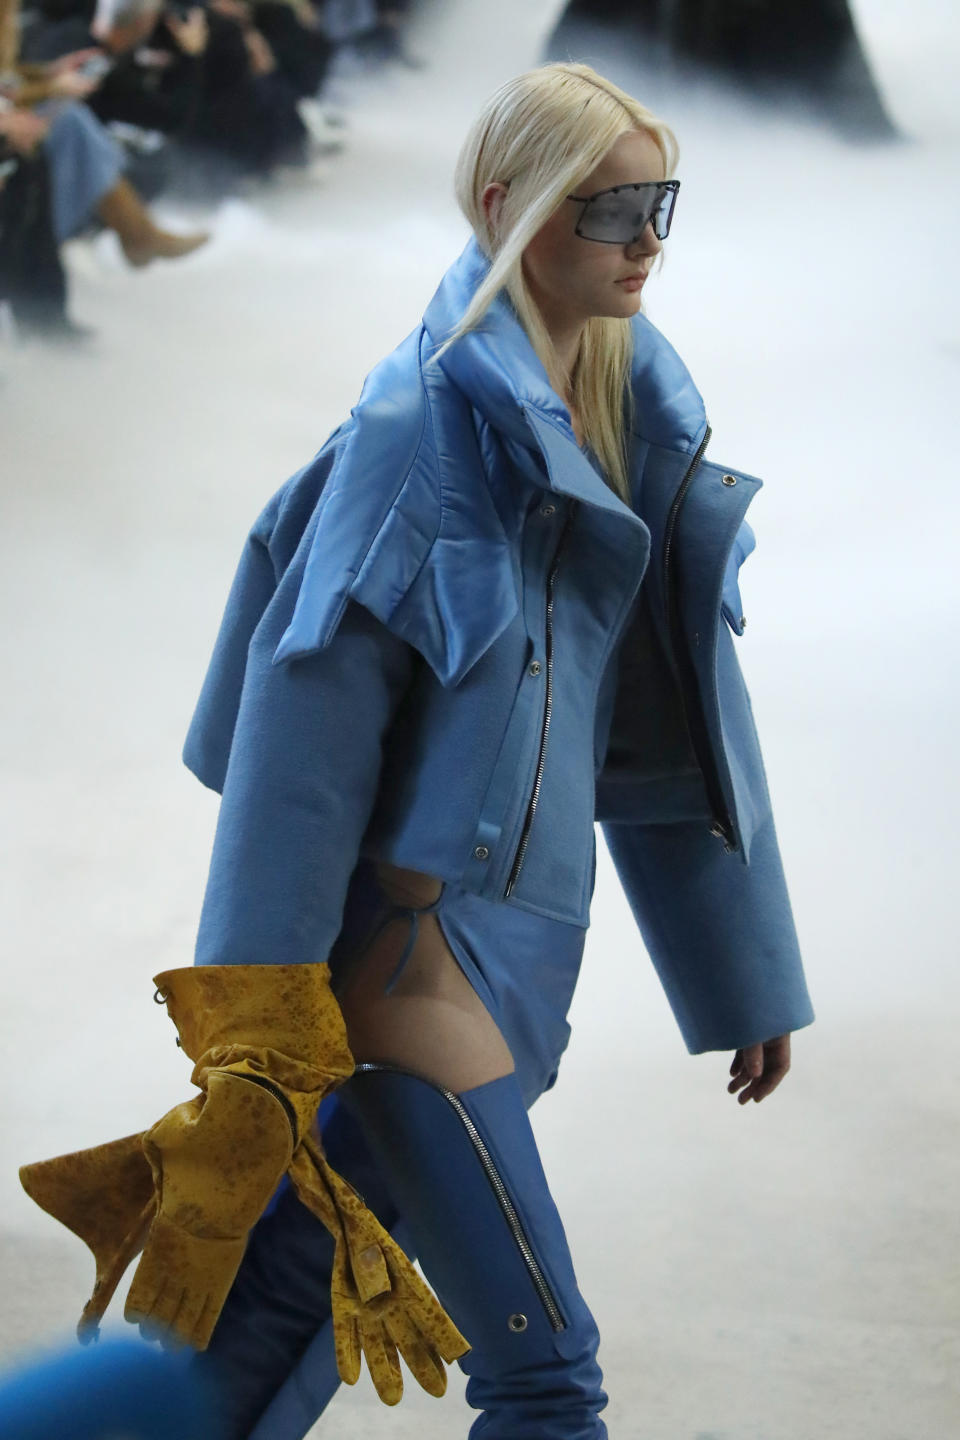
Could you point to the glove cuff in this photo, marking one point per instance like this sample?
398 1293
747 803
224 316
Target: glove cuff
283 1019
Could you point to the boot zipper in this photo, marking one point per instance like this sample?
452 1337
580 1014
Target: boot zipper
537 1276
696 725
541 758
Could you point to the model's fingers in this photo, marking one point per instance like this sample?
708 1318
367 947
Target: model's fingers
753 1060
770 1081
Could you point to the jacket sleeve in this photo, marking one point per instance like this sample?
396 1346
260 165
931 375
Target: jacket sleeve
720 932
300 784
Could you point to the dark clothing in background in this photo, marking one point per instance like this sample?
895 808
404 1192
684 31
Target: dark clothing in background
155 97
55 27
250 119
303 55
31 275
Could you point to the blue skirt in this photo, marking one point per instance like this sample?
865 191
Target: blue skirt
523 966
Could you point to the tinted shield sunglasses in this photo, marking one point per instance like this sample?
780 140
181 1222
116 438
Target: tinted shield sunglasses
620 215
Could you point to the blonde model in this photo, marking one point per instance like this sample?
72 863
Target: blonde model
498 606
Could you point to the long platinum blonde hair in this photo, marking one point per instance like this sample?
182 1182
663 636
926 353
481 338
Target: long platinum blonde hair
541 134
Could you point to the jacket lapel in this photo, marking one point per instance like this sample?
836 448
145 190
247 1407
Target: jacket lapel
570 472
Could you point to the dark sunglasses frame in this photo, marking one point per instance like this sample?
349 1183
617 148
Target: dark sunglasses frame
586 200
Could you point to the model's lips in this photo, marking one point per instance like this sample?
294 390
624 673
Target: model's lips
633 282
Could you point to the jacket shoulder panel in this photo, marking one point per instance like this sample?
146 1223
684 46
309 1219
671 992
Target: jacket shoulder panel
405 524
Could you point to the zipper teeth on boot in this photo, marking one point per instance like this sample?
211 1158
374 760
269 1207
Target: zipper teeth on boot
506 1204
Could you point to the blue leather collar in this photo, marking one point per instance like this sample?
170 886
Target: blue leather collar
498 370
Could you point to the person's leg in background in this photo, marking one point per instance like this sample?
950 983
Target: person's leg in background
87 181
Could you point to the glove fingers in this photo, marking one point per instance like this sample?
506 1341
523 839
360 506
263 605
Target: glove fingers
420 1357
426 1312
144 1293
152 1319
382 1360
194 1320
370 1272
346 1341
179 1278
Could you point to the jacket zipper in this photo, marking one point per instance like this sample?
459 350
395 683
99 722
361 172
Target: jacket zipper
547 1298
693 713
541 758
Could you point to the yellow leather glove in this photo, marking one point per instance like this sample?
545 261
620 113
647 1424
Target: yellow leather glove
268 1042
216 1161
381 1307
106 1196
279 1025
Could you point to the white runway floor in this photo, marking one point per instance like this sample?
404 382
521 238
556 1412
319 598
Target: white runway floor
788 1271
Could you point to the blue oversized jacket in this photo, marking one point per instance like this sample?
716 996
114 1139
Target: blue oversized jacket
451 646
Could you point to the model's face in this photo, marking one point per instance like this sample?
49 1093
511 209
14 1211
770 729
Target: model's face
573 279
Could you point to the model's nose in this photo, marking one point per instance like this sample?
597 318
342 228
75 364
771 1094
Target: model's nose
646 244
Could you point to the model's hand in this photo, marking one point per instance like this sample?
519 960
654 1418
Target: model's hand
760 1068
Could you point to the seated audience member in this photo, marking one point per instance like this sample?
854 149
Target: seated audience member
86 183
84 163
32 278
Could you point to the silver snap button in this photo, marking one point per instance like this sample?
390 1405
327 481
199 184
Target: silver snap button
729 479
534 667
517 1323
481 852
548 509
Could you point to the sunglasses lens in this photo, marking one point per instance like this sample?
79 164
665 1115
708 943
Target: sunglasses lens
663 213
621 216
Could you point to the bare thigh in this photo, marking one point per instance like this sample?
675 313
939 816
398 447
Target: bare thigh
432 1022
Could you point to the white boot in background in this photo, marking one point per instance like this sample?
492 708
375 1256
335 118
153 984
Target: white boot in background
326 137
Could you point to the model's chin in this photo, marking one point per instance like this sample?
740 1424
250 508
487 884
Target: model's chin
628 304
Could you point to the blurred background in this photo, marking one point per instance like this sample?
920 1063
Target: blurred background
213 222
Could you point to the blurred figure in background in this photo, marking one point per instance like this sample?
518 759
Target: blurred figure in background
106 102
32 279
801 55
81 180
117 1388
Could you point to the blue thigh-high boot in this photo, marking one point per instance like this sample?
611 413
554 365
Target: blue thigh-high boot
465 1174
271 1357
